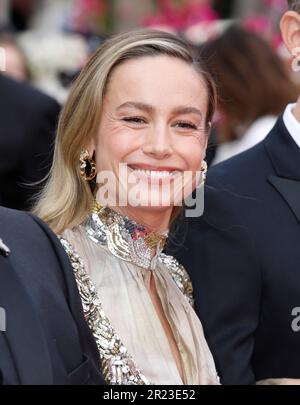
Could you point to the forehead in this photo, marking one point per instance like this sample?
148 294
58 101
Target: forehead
157 80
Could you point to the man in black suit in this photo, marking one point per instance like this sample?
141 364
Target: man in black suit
27 132
44 338
244 253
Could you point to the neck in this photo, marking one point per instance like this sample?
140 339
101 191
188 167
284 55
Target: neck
296 110
157 221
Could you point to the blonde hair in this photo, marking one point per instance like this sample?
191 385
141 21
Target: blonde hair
67 198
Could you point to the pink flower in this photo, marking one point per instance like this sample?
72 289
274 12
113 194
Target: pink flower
89 15
181 14
258 24
280 5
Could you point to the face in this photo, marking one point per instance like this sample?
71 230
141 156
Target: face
153 121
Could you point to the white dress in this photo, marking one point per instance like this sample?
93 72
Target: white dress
122 290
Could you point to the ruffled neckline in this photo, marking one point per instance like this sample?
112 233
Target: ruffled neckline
124 237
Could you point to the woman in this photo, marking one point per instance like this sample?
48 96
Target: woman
142 103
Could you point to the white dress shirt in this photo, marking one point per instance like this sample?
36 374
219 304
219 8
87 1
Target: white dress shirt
291 123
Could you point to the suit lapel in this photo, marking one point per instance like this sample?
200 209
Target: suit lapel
283 152
284 155
290 191
24 333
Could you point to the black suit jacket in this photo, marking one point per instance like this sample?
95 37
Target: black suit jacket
27 132
47 340
244 259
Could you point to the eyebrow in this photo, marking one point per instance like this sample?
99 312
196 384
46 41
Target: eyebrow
149 108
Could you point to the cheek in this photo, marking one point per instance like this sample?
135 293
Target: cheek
112 146
193 152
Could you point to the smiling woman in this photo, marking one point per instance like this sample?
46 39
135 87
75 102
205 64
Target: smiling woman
142 103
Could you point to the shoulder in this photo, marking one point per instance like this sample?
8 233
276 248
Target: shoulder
240 167
23 95
16 222
23 225
31 240
179 275
250 169
255 134
239 184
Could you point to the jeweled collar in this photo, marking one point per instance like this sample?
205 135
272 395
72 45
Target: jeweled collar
125 238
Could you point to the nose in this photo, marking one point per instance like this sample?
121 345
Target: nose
157 143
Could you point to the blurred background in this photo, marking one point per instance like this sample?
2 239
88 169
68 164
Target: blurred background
47 42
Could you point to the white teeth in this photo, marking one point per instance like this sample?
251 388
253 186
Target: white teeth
156 173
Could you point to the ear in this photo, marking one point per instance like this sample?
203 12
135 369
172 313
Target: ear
290 29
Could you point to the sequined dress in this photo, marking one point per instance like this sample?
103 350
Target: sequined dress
112 263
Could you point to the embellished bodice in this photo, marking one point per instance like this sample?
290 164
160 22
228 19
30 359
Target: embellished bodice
124 237
111 260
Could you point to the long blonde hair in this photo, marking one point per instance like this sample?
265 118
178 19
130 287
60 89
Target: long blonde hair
67 198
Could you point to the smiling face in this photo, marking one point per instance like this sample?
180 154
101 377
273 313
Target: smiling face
154 121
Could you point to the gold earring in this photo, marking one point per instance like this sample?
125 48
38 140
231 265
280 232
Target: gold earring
296 60
203 170
87 166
